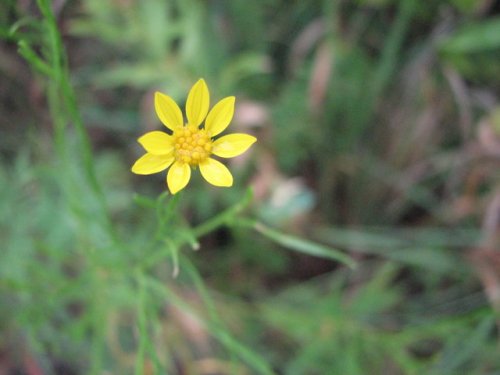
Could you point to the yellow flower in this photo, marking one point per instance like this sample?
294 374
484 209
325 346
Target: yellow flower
191 145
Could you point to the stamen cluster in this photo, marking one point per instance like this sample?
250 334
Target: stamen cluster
192 145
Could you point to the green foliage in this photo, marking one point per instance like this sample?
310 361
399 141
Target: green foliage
359 249
474 49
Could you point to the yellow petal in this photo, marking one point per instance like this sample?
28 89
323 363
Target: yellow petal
232 145
178 176
197 103
149 163
220 116
216 173
168 111
157 143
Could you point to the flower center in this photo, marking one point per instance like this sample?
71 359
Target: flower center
191 145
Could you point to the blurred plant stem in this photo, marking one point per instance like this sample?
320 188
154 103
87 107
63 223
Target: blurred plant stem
64 110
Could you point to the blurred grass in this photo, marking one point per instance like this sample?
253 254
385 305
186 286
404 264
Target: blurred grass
377 142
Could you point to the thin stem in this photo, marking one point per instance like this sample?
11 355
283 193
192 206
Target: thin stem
98 311
62 100
142 324
224 218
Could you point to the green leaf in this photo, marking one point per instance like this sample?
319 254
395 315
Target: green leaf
30 55
144 201
304 246
463 348
475 38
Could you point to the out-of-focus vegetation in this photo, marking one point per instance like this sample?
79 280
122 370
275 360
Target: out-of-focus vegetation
379 135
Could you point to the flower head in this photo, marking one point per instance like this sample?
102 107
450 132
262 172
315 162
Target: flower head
192 144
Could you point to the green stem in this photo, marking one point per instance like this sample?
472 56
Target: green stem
142 322
62 100
224 218
98 321
171 208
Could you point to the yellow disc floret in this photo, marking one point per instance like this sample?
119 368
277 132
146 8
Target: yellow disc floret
192 145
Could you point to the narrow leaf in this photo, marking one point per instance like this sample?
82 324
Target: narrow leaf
304 246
